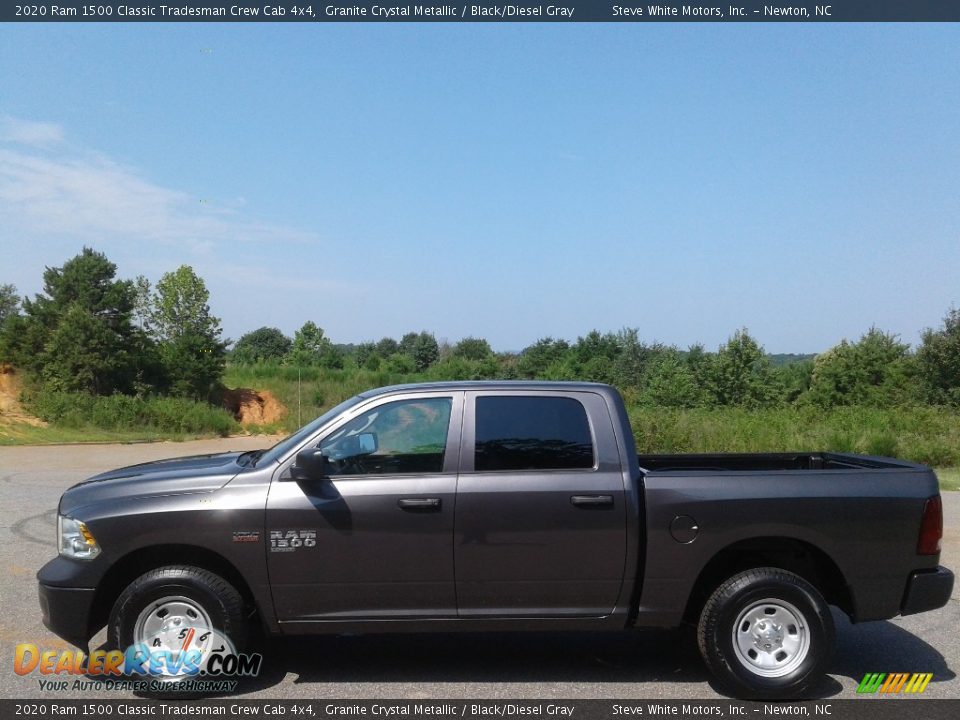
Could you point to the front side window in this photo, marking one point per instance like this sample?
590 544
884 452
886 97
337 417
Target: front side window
532 433
406 436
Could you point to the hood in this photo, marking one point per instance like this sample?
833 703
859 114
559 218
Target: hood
197 474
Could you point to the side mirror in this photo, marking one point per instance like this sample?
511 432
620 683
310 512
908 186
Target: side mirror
352 446
367 443
309 465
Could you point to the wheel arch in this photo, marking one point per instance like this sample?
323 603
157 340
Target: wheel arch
791 554
134 564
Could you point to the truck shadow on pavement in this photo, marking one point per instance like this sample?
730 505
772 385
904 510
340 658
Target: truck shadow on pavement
373 666
885 647
369 662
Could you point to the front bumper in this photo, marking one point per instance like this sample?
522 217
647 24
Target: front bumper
67 611
927 590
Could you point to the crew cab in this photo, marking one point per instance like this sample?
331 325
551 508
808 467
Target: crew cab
482 506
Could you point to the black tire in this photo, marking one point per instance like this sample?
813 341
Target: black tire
217 598
766 633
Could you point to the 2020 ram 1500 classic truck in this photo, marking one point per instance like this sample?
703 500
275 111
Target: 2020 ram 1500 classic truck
499 506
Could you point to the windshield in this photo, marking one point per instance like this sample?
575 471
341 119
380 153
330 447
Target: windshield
287 444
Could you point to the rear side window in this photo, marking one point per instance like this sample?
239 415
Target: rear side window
532 433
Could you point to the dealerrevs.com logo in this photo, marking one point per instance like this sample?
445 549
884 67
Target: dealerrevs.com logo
894 683
204 662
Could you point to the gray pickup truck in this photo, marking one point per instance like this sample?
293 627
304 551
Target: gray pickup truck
499 506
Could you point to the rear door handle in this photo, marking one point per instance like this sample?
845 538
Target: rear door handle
419 503
591 500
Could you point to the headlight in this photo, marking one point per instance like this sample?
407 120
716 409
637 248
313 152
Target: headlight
74 539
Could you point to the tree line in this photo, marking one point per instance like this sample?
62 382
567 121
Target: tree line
877 370
90 332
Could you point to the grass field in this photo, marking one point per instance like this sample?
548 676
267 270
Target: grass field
949 478
22 434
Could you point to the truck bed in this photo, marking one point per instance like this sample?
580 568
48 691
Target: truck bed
862 512
766 462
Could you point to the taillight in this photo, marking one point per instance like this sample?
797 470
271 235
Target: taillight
931 527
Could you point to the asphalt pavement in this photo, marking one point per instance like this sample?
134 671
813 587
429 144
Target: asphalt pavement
652 664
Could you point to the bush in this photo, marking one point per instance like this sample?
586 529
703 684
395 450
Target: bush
919 434
177 416
876 370
939 360
262 344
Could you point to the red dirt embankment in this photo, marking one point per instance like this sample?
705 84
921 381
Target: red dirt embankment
253 407
10 409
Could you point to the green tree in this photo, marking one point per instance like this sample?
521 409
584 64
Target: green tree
11 321
939 360
876 370
836 376
888 368
191 348
193 365
670 381
592 356
77 333
700 363
422 347
83 354
265 343
363 352
631 359
310 345
535 359
400 363
458 367
372 362
181 307
23 340
386 347
795 378
9 302
740 373
471 348
142 302
595 345
407 342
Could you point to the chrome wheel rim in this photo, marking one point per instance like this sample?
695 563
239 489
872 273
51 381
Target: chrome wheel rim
771 638
160 624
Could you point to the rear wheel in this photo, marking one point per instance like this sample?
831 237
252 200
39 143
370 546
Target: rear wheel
766 633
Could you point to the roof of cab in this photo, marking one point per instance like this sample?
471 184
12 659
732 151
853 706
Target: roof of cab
486 385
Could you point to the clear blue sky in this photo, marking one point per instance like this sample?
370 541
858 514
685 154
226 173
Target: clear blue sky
504 181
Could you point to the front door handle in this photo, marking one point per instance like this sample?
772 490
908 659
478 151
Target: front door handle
592 501
419 503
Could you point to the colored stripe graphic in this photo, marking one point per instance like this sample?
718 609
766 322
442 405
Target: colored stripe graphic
871 682
918 682
893 683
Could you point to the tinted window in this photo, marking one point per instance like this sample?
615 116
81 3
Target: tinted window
532 433
407 436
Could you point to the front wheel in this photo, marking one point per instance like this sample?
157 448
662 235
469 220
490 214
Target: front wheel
766 633
177 618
